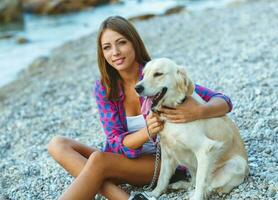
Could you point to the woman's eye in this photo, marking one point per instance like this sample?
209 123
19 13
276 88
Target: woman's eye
122 42
106 48
156 74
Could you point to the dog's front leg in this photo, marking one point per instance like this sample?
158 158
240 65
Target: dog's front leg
167 169
203 173
192 170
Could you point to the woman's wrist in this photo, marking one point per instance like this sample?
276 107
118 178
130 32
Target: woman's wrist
203 110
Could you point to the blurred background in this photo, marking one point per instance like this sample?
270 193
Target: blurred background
31 28
48 47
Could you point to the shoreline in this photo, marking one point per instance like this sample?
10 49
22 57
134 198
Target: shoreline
228 49
35 38
41 46
20 81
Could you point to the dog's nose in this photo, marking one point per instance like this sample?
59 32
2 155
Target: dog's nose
139 88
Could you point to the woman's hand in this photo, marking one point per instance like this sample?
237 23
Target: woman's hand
188 111
154 124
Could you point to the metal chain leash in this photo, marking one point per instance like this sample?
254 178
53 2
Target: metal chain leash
157 158
155 174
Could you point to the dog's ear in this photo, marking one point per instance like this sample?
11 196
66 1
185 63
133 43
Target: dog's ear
184 84
190 86
180 80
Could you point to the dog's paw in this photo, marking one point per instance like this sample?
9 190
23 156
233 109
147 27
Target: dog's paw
154 193
179 185
192 195
195 196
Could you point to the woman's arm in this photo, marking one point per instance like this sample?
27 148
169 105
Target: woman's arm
137 139
217 105
112 124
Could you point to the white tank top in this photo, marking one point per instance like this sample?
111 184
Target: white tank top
135 123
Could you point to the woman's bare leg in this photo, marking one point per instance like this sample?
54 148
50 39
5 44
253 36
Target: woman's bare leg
70 154
112 192
73 155
106 166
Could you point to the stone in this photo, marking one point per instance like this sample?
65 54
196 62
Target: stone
10 11
58 6
22 40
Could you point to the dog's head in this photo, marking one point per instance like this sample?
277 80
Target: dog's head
166 82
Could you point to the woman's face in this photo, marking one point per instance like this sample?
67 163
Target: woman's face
117 50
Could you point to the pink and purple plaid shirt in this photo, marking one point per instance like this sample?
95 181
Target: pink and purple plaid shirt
113 117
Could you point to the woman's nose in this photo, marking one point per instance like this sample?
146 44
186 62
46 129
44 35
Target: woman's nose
116 51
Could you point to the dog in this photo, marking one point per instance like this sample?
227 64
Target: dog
211 149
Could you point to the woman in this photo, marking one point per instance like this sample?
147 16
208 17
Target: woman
126 158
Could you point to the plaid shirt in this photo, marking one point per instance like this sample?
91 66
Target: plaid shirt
113 117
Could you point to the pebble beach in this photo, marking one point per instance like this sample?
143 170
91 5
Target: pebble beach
232 49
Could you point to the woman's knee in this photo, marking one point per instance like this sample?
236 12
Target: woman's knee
96 158
99 160
57 145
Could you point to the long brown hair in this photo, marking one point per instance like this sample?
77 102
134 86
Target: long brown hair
110 76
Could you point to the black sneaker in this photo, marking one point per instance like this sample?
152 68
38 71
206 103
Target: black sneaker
141 196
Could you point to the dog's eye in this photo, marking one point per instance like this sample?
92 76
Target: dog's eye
156 74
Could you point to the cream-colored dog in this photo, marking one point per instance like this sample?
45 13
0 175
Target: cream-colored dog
211 148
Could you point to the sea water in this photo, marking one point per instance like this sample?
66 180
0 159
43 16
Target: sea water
47 32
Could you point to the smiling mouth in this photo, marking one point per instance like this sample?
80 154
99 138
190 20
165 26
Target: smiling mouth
158 97
119 61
